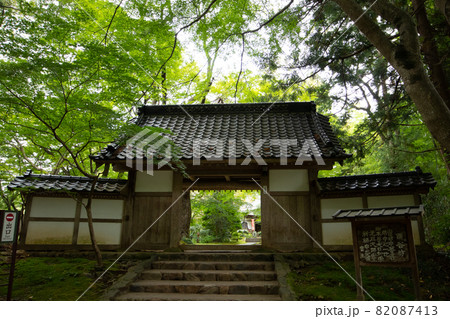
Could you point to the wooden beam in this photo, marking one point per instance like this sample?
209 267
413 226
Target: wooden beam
222 185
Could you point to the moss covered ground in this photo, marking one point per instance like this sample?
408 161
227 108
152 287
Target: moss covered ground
321 279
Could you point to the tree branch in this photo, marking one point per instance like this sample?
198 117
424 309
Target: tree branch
20 148
240 70
198 18
370 29
262 25
111 21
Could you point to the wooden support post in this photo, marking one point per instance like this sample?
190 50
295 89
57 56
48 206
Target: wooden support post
26 220
176 210
128 214
358 272
314 205
365 200
413 260
265 237
418 201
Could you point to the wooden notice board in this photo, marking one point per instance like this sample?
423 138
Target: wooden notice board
386 242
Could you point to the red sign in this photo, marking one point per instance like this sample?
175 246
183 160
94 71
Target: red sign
9 225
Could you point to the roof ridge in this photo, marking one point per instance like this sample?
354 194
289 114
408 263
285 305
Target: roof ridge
292 106
69 177
375 175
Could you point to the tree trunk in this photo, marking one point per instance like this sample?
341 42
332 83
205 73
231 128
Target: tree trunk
211 60
444 7
163 88
88 207
405 58
430 51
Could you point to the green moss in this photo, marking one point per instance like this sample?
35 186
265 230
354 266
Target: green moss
54 278
322 279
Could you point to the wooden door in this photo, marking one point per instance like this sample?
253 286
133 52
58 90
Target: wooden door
279 231
146 210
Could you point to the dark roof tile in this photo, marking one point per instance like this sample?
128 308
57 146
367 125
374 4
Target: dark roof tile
378 212
252 121
377 181
65 183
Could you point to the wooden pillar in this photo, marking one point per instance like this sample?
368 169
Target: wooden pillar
314 208
76 222
176 211
358 273
265 237
26 220
127 218
413 259
365 200
418 201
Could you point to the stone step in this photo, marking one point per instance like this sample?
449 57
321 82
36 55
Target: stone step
147 296
206 287
213 265
208 275
209 256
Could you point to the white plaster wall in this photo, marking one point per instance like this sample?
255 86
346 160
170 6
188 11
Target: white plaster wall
337 233
105 208
390 201
105 233
329 206
160 181
49 233
53 207
341 233
288 180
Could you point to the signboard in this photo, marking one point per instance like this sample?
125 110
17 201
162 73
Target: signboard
382 243
10 222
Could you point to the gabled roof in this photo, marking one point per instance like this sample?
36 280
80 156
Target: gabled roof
36 182
378 212
414 179
254 122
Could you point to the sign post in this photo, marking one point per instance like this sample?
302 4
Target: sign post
383 237
386 242
9 225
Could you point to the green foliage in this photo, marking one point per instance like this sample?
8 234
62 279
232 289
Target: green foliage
71 74
220 215
437 217
217 215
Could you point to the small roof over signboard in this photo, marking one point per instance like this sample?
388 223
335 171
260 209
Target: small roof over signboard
37 182
378 212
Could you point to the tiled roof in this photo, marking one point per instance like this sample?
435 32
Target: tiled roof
378 212
254 122
65 183
377 181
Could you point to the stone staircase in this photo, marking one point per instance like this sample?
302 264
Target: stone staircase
206 276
